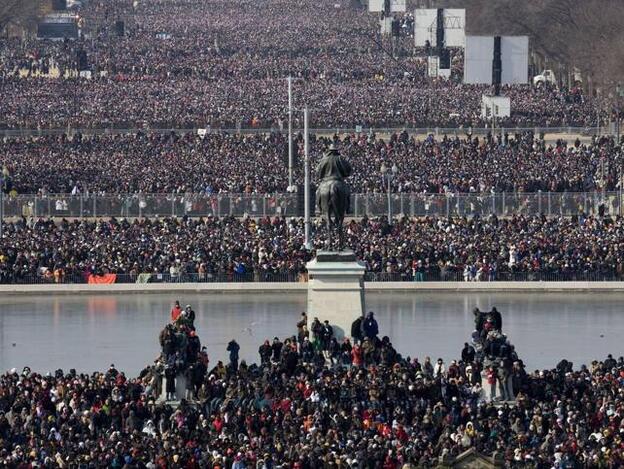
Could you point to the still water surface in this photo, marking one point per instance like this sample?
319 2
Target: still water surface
89 332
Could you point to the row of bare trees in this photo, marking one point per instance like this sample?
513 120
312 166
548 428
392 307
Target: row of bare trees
583 34
22 13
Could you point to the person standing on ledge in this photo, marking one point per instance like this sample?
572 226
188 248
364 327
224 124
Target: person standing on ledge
356 329
190 315
176 311
371 328
468 353
497 319
479 319
302 322
233 348
170 387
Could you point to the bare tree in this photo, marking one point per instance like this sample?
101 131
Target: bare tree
25 13
574 34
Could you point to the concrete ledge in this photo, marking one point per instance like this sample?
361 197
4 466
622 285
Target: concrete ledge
250 287
495 286
299 287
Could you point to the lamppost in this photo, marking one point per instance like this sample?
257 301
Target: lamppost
290 137
306 180
389 175
291 184
621 183
1 202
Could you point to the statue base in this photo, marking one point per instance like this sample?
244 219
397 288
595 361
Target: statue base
180 389
496 392
335 290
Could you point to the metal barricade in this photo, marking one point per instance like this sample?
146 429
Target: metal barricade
503 204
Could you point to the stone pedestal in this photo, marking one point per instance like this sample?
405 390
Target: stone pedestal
335 290
487 389
180 388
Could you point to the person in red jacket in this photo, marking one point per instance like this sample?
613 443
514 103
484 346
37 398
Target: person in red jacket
389 462
491 379
356 356
176 311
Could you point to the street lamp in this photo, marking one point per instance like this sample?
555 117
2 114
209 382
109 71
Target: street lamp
389 175
291 158
1 202
290 137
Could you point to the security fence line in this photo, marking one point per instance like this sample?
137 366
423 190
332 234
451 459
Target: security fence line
503 204
158 277
454 131
302 277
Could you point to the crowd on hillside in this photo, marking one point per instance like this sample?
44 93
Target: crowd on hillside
223 65
257 164
477 249
302 408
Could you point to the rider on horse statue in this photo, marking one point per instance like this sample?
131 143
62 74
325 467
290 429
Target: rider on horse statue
332 167
333 195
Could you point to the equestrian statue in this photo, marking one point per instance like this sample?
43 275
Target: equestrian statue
333 195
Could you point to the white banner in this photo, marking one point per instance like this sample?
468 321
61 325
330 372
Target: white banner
480 55
426 24
396 6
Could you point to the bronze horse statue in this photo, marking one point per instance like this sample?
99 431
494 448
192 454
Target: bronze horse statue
333 195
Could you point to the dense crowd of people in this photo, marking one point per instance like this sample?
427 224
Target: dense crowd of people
301 407
223 65
175 102
491 352
314 400
226 249
257 164
181 355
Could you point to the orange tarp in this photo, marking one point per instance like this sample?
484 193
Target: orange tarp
106 278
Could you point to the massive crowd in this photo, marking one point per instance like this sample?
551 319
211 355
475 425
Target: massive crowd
313 403
209 249
257 164
223 65
195 103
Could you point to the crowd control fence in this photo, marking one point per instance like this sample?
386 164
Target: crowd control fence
459 275
566 204
564 131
